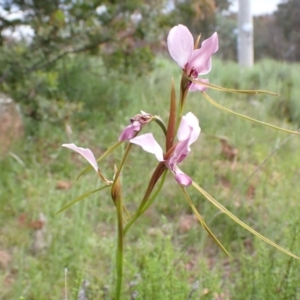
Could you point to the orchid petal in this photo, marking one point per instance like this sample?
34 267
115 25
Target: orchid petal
181 150
188 132
194 124
189 128
183 131
201 58
149 144
182 178
198 87
86 153
180 44
129 132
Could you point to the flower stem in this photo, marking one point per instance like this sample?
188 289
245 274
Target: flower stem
121 165
161 124
119 256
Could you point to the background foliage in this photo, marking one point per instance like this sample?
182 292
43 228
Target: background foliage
41 177
124 34
80 78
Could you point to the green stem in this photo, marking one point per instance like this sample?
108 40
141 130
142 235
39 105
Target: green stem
121 165
161 124
119 256
145 205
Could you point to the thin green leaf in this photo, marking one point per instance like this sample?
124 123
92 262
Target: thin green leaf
241 223
202 222
210 100
172 119
80 198
108 151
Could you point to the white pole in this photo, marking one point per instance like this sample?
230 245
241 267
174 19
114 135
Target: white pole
245 35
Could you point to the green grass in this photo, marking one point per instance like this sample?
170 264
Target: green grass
161 260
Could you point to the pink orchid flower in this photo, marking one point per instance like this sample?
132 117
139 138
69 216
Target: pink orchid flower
188 132
194 62
86 153
136 125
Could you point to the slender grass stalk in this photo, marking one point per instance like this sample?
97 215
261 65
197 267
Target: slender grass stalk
81 198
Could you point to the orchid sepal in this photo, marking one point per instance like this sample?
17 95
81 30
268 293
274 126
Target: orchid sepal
210 100
204 83
238 221
202 222
108 151
89 156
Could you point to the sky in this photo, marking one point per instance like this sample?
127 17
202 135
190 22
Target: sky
259 7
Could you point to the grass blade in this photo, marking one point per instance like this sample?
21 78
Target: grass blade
80 198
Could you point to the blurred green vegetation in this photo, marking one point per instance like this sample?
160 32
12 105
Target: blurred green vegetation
164 257
122 38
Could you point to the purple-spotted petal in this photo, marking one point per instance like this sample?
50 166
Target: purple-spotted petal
180 44
182 178
129 132
149 144
198 87
86 153
200 59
